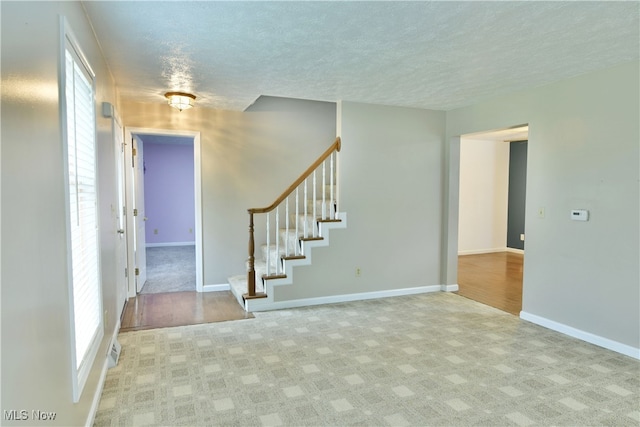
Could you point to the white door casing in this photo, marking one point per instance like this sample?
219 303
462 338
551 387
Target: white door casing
139 218
118 206
120 216
130 184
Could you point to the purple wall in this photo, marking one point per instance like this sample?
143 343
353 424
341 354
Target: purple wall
169 193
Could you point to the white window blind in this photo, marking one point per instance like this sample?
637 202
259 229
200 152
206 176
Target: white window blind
86 309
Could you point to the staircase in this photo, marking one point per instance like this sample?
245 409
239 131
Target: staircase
296 222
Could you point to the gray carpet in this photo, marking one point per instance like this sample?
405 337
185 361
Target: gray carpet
170 269
427 360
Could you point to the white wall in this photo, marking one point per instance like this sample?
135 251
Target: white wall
390 169
583 153
248 159
36 349
484 191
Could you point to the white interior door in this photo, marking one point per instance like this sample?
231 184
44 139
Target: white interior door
121 238
139 214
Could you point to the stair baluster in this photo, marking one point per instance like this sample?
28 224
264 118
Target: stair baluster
332 200
305 211
297 252
324 192
286 228
268 244
277 254
315 215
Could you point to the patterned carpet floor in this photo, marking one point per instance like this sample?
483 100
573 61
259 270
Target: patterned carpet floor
426 360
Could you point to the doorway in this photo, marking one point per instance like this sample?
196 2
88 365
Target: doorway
492 189
169 206
143 228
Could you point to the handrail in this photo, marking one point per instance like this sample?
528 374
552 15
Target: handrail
334 147
251 276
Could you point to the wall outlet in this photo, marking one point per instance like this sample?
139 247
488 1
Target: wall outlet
522 237
540 212
358 272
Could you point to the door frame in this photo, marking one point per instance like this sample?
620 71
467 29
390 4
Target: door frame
138 237
197 168
451 208
117 129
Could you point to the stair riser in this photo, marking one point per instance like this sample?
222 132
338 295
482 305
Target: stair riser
260 267
311 224
319 205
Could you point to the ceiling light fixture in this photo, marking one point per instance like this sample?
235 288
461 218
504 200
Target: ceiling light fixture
180 100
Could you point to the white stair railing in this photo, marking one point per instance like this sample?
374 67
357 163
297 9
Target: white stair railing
282 247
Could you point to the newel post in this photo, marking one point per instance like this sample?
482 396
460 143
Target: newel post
251 273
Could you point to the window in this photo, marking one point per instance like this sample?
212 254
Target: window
79 135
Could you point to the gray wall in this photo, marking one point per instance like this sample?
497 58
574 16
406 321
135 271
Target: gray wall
583 154
390 170
36 349
517 193
248 159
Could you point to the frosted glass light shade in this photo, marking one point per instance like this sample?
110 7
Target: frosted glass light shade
180 100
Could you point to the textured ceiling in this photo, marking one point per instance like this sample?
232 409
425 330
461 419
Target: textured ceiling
438 55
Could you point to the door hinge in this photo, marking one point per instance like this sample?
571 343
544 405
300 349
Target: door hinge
137 271
134 152
135 212
126 273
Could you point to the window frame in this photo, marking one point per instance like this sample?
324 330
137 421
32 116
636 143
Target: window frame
79 369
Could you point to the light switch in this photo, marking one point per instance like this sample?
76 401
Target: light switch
580 215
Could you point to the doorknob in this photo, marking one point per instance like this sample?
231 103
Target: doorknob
120 231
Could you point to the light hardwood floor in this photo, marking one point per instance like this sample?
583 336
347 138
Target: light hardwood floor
493 279
150 311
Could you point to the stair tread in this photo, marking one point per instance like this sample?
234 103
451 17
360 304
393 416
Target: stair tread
256 296
274 276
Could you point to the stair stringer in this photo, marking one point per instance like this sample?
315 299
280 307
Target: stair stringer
264 304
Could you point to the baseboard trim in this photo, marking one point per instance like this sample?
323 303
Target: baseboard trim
216 288
159 245
482 251
450 288
263 305
490 251
627 350
95 403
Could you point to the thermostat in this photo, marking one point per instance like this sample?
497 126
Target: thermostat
580 215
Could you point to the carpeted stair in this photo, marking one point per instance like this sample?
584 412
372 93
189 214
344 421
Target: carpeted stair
298 246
